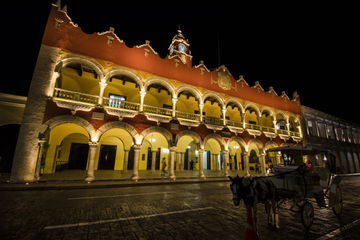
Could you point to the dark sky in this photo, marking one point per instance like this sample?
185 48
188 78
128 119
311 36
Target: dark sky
308 47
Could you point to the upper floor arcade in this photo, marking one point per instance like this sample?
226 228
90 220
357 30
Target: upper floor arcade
81 83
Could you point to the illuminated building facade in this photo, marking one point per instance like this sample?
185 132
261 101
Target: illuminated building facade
95 103
338 135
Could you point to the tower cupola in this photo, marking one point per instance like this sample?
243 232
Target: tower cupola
180 48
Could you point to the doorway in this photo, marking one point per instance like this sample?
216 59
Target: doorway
78 156
107 157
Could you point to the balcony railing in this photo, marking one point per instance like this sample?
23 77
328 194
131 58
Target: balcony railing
158 110
234 124
252 126
268 129
283 132
213 120
294 134
75 96
186 115
115 103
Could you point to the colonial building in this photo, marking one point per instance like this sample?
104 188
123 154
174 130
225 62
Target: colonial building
95 103
338 135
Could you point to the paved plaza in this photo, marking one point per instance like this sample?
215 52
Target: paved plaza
202 210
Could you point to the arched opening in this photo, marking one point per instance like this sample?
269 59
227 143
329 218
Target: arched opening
187 106
78 82
158 100
356 160
251 119
233 115
212 159
267 124
212 111
343 163
159 149
351 163
236 162
281 124
68 148
122 92
186 155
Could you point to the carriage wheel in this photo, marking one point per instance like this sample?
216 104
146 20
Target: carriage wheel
307 214
338 206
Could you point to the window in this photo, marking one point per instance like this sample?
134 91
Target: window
330 132
338 134
117 101
322 132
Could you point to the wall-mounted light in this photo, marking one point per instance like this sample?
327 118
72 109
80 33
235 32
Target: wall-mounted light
188 147
236 147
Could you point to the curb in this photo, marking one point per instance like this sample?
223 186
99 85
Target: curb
102 184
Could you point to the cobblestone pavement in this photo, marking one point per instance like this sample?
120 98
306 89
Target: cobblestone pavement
187 211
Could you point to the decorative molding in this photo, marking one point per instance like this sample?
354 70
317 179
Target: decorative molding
74 106
214 127
158 119
121 113
235 130
188 123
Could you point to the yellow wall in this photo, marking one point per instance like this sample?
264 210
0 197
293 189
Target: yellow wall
233 114
63 135
212 110
251 117
84 84
128 90
187 105
156 99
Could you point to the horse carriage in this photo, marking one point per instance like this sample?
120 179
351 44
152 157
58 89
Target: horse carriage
293 182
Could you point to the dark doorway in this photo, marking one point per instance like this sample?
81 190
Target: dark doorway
130 165
8 138
78 156
208 160
186 159
157 161
149 159
107 157
221 161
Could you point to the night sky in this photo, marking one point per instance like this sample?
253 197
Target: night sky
308 47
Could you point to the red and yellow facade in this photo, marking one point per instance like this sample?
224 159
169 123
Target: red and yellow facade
95 103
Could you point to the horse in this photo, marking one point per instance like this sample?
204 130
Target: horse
253 191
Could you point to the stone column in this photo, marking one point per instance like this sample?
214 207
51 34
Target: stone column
232 162
259 120
126 159
246 163
212 166
135 175
201 170
142 95
176 160
182 162
172 155
153 160
278 158
90 173
102 86
224 118
24 164
201 106
275 126
263 164
174 100
38 164
52 84
288 128
225 161
243 119
216 162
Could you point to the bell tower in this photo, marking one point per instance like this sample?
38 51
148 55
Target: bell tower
179 47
